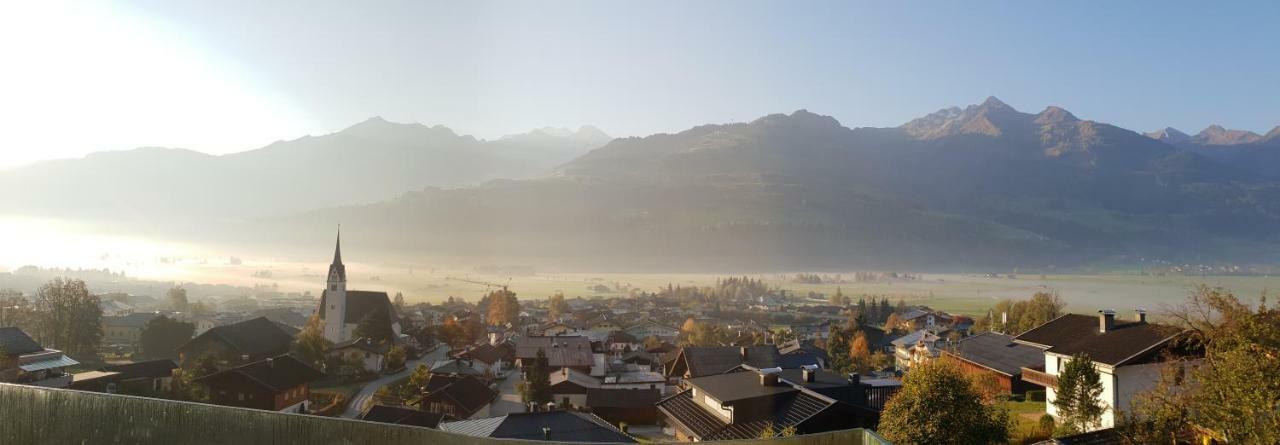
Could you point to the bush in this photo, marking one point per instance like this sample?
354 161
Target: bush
1046 423
1036 395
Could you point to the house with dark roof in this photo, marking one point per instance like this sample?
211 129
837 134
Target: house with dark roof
740 405
341 310
403 415
997 354
699 361
807 349
633 406
24 361
561 351
280 383
462 397
488 358
455 367
237 343
555 426
151 375
125 329
1126 353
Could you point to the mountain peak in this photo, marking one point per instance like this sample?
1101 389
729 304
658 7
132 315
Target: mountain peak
993 103
1054 114
1217 135
1169 135
1272 135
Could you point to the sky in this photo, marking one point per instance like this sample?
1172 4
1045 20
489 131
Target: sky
227 76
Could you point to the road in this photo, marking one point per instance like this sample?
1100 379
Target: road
508 400
353 410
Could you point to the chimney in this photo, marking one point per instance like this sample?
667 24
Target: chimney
809 375
1141 315
1106 320
743 351
768 380
855 379
271 363
546 433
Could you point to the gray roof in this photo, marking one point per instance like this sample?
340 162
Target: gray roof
1073 334
562 426
14 342
998 352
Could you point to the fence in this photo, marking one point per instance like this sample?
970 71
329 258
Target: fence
34 415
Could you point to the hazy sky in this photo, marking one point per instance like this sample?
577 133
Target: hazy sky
234 75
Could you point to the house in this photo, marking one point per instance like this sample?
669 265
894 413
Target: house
562 352
24 361
603 326
403 415
918 346
151 375
1126 354
114 308
556 328
125 329
280 383
649 328
999 355
237 343
633 406
916 319
698 361
489 358
454 367
555 426
569 387
342 310
461 397
806 349
372 355
739 405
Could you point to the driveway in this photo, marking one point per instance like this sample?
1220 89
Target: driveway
353 410
508 400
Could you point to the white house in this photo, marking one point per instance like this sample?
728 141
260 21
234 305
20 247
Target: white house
1126 354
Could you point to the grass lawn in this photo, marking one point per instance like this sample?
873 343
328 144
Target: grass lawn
1026 418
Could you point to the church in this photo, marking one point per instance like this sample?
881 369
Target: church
341 309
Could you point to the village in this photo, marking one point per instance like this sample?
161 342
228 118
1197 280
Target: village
740 360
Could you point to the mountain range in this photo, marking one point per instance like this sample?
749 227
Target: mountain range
984 186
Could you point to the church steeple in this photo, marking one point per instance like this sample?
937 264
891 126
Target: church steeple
337 271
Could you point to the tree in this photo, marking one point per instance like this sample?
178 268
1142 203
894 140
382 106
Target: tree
177 298
705 334
1079 385
652 342
860 354
939 405
452 334
162 336
416 383
503 307
310 343
556 306
838 347
395 357
399 301
892 323
688 325
376 326
539 380
1231 394
70 317
837 299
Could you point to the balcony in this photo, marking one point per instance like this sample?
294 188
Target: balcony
1037 376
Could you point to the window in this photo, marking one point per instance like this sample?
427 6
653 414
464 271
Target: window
333 287
240 396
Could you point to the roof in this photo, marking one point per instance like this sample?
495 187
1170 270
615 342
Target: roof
486 353
575 377
403 415
571 351
622 398
53 361
998 352
682 409
709 360
89 376
916 336
277 373
253 336
556 426
150 369
1073 334
363 344
789 410
134 320
736 386
361 303
468 393
453 366
14 342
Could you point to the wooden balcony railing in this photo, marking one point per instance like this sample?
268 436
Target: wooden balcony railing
1039 377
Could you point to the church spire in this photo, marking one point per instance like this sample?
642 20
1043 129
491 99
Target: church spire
337 271
337 247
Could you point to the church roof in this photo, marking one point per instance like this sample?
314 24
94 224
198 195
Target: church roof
361 303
